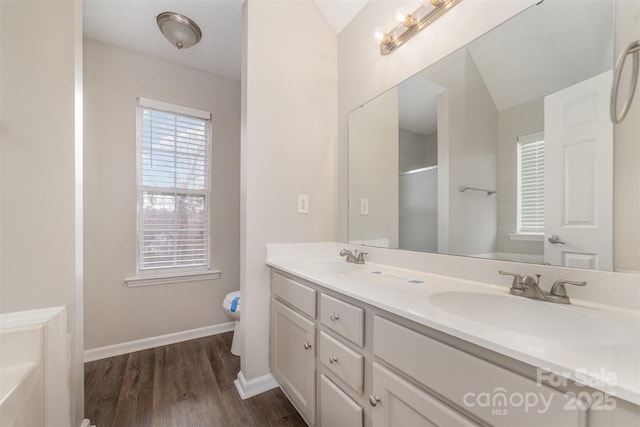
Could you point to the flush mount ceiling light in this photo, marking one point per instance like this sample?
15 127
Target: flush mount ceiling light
411 24
181 31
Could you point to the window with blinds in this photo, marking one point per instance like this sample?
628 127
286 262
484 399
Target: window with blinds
531 184
173 168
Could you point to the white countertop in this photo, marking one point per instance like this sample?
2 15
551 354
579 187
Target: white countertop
611 365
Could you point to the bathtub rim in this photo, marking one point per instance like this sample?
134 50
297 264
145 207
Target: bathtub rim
18 319
56 378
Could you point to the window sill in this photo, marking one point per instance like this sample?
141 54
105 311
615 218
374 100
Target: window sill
526 237
134 282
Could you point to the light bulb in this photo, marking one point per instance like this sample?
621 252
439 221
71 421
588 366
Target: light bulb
401 15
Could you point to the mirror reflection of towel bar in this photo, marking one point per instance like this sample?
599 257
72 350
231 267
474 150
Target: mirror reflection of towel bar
489 192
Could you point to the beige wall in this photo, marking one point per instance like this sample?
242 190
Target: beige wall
364 73
467 135
626 179
373 169
417 150
39 241
512 123
115 313
288 148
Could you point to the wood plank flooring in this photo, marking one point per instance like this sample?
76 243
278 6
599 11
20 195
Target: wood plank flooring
189 384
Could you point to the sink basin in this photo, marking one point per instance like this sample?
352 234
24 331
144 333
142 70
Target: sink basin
330 265
532 317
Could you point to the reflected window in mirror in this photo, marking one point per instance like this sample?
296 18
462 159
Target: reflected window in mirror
530 185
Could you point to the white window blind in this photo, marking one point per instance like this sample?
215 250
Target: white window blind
531 184
173 156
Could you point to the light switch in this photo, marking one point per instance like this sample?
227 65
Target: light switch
303 203
364 206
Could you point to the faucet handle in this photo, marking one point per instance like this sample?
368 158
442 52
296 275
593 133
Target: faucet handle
559 292
516 284
360 257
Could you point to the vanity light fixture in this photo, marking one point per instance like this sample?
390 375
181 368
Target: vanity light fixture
412 23
181 31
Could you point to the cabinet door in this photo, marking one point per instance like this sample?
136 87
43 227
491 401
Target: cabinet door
401 404
336 408
293 358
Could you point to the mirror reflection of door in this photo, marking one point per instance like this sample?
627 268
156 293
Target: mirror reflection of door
579 175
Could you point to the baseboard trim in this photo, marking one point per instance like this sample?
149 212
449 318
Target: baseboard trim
151 342
247 389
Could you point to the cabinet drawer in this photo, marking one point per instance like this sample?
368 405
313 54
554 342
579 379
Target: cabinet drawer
336 408
344 318
492 393
342 361
296 294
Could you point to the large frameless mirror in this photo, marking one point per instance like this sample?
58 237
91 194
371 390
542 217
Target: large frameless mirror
503 149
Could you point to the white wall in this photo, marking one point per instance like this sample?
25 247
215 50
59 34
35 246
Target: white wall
373 169
289 142
512 123
364 73
41 49
115 313
626 193
417 150
468 135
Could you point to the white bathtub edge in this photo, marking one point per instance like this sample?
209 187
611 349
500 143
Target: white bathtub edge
19 319
57 371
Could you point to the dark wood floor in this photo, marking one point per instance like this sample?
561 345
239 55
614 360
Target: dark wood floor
189 384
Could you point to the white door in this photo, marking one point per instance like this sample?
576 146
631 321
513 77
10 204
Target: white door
579 175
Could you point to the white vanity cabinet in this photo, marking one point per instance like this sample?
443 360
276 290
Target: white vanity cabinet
337 409
341 366
357 365
398 403
293 344
343 318
485 390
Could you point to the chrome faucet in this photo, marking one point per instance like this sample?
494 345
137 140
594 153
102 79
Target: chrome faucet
527 286
532 287
358 258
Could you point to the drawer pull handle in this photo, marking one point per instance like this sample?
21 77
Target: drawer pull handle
333 359
334 317
373 400
307 346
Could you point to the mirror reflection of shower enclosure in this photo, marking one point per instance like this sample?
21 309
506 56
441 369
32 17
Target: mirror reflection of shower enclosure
418 197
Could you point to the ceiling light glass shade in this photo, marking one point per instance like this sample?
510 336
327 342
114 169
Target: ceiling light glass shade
181 31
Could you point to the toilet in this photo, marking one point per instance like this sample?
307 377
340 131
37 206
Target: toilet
231 306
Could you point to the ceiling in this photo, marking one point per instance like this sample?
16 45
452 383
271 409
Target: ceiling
550 46
558 44
131 24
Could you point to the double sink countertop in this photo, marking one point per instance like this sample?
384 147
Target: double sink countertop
592 344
